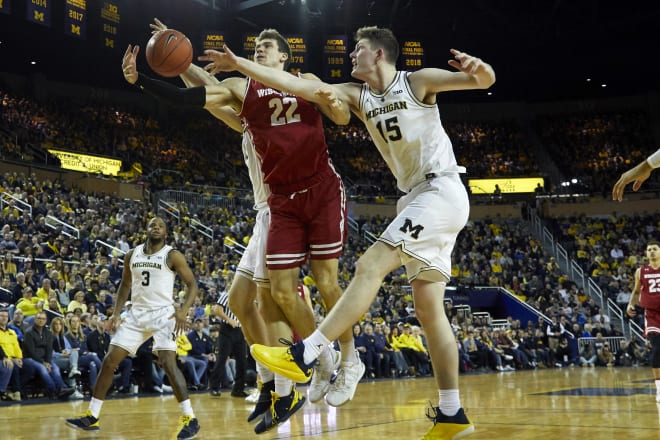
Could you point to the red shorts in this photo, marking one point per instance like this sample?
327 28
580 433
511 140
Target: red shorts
310 221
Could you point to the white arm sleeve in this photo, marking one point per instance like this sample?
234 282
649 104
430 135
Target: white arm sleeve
654 159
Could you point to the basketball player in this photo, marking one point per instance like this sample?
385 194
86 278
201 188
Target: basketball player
646 294
400 112
307 206
637 174
148 275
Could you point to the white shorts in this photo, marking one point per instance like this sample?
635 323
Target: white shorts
428 221
253 261
140 325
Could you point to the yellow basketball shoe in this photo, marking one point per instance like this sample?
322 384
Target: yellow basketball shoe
448 428
281 410
285 361
86 422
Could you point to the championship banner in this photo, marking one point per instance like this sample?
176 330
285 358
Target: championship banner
75 18
412 55
249 44
5 6
298 62
213 40
38 11
336 66
87 163
515 185
110 20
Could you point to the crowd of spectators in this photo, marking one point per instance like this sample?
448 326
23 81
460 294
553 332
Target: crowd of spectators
596 148
196 149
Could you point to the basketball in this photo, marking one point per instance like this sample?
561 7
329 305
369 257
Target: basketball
169 53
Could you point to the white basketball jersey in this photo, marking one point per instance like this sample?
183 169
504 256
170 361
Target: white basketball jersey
260 189
407 132
153 280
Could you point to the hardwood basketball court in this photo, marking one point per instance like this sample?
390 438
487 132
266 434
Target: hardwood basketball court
570 403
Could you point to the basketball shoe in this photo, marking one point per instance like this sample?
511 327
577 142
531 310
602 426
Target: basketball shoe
448 428
280 410
264 400
188 429
86 422
343 388
325 367
285 361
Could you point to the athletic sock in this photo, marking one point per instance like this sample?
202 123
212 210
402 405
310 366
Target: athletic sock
95 407
450 402
314 345
264 373
348 353
283 385
186 408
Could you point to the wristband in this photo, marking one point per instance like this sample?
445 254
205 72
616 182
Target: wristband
654 160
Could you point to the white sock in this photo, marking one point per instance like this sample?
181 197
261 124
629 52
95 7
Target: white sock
657 385
348 353
450 402
314 345
283 386
186 408
264 373
95 407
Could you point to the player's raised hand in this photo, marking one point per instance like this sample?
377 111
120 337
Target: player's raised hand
637 175
466 63
129 64
157 26
329 95
224 61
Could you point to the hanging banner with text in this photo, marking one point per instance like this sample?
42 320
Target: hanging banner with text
38 11
249 43
5 6
75 18
87 163
298 61
110 20
335 58
213 40
412 55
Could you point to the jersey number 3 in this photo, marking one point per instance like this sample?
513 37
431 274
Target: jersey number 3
284 111
145 278
392 129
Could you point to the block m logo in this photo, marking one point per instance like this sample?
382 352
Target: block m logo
75 29
109 42
39 16
410 229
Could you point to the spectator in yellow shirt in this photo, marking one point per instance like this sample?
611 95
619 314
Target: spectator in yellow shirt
11 360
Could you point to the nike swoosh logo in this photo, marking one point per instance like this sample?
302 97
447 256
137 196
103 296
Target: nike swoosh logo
169 39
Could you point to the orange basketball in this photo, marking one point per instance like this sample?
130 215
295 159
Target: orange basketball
169 53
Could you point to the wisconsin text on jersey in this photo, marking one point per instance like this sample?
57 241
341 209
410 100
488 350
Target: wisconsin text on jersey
149 264
401 105
268 91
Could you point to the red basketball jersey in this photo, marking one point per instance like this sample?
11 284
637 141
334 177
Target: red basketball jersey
288 137
650 297
650 287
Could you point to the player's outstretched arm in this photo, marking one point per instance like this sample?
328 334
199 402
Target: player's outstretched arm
227 61
473 73
638 175
194 76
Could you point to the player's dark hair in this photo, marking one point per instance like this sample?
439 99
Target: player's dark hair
653 242
282 43
380 38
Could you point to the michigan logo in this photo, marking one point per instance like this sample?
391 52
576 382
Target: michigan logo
408 228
